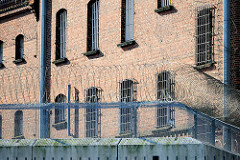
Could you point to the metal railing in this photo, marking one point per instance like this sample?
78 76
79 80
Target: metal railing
144 122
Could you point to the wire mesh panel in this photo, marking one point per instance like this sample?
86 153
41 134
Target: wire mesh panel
204 35
204 129
235 141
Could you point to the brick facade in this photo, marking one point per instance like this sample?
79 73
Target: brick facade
167 37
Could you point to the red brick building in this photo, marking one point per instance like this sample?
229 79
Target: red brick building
113 51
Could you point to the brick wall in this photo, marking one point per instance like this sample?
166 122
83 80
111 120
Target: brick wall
167 37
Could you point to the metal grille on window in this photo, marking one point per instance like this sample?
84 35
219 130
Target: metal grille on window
19 47
165 92
163 3
129 20
127 91
0 127
63 29
93 115
95 23
7 3
60 112
166 86
18 124
204 35
1 52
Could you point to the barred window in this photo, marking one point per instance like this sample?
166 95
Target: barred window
127 94
19 47
165 116
60 112
204 36
164 3
93 125
61 34
165 92
0 126
1 52
127 27
93 26
166 86
18 124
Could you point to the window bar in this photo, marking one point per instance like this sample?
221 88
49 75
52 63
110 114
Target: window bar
93 36
1 52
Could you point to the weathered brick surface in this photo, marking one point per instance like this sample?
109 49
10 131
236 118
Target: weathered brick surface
166 37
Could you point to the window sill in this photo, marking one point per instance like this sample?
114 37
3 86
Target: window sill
60 125
19 137
162 9
91 53
19 61
127 43
60 61
203 66
125 135
162 129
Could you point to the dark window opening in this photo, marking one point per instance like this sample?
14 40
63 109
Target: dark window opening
155 157
0 127
93 26
60 112
19 47
61 34
18 124
1 52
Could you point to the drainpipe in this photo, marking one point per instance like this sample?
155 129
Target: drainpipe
43 69
226 71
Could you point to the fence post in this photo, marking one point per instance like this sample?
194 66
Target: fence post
69 98
213 131
195 125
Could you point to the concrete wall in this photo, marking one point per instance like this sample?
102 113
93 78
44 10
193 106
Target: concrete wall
111 149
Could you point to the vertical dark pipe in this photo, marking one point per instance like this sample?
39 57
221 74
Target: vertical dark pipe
226 70
69 94
43 68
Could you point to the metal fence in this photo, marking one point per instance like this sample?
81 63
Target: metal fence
116 120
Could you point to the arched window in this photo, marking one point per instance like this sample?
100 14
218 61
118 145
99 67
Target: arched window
128 90
0 127
18 124
165 92
60 112
166 86
19 47
93 124
1 52
93 26
61 34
